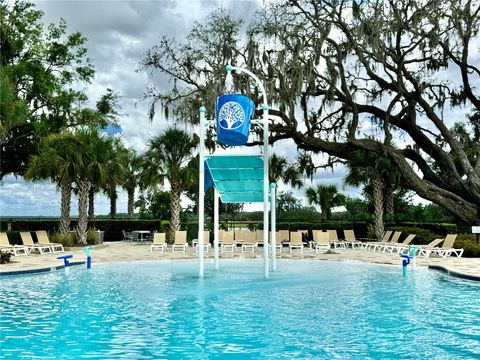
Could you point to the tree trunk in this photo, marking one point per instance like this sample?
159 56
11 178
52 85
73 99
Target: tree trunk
66 189
324 214
378 203
389 202
91 203
175 207
131 201
113 203
83 189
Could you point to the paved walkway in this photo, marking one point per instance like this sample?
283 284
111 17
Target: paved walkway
123 251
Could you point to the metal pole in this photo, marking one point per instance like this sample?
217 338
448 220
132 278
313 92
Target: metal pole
273 226
201 192
265 162
215 227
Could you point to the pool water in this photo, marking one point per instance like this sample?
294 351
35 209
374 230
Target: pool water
308 309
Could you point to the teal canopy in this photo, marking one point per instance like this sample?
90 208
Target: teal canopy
238 179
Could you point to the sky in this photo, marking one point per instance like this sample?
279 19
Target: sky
119 33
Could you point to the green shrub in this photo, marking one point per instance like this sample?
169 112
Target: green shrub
469 244
423 236
93 237
67 240
5 257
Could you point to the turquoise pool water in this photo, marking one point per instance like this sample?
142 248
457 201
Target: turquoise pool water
308 309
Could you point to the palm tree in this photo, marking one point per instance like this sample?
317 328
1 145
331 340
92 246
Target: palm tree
167 158
56 161
377 173
116 174
325 196
281 171
132 164
93 166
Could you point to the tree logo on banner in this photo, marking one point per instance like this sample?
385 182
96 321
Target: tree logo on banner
231 115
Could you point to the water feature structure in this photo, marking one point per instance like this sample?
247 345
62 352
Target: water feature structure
235 178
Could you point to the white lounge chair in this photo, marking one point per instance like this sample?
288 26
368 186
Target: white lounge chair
28 242
12 249
228 244
322 240
296 243
206 242
401 246
158 242
393 242
445 250
333 237
259 237
180 244
43 239
370 244
239 237
250 243
278 242
351 240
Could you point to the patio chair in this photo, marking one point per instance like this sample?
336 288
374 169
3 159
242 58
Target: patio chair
322 240
127 236
445 250
28 242
393 241
250 243
12 249
259 237
228 244
351 240
283 236
333 238
278 242
158 242
401 246
296 243
385 240
239 237
43 239
180 243
206 242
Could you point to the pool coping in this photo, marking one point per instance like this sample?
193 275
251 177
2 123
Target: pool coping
39 270
454 273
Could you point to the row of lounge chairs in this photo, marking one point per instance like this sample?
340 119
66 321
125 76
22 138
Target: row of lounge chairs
248 241
42 247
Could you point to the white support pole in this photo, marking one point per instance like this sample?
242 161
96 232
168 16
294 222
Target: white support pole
265 187
215 227
265 163
273 226
201 192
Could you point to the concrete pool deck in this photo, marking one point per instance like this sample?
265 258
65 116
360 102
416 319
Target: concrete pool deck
121 251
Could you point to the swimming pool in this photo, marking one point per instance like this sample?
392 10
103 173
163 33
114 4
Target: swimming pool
308 309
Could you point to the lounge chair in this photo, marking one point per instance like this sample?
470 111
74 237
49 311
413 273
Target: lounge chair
12 249
278 242
283 236
445 250
385 240
28 242
43 239
351 240
333 237
180 243
228 244
206 242
401 246
158 242
296 242
239 237
393 241
322 240
127 236
259 237
250 243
